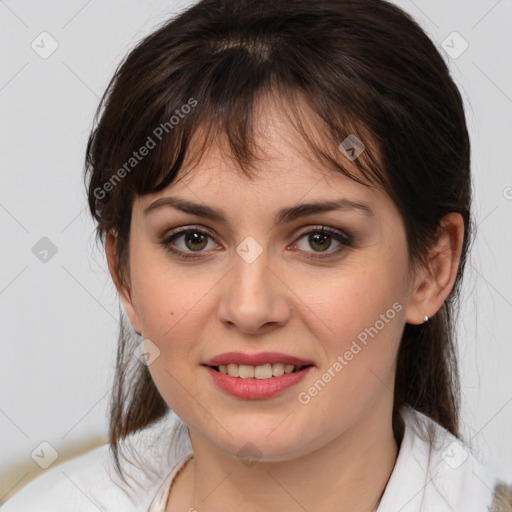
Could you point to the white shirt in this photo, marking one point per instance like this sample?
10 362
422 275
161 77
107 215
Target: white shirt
442 476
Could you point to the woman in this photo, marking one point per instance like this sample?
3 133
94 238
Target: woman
283 191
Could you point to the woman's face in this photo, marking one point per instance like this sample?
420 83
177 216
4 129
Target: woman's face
261 281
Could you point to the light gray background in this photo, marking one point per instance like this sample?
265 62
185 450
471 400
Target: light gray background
58 319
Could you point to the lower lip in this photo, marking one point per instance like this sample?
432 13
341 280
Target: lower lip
252 389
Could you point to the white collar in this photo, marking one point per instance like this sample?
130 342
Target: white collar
440 475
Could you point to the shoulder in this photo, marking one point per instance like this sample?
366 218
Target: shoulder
79 484
89 483
458 480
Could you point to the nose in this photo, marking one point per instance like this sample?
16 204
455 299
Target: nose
254 299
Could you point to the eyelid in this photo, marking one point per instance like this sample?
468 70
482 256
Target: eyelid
184 229
306 230
320 228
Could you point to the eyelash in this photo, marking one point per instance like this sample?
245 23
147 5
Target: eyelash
345 241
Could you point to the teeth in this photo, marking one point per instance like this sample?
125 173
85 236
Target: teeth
245 371
232 370
277 369
264 371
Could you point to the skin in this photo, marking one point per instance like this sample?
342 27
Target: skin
336 452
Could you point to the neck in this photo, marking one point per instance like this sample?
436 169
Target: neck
348 474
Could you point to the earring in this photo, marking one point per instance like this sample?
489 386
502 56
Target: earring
426 318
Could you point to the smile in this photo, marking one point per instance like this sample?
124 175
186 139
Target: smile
262 385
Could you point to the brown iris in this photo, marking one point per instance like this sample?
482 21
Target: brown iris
320 238
195 239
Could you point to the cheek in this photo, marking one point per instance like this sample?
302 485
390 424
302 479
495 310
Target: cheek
358 319
172 306
352 301
171 315
358 349
167 299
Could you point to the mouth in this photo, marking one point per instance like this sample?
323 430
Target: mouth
264 381
260 372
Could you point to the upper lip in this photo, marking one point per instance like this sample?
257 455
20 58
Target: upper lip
256 359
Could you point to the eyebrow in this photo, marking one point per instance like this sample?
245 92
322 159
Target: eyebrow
287 214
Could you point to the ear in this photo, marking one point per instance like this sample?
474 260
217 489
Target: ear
435 279
116 273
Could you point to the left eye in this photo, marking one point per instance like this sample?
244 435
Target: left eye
322 239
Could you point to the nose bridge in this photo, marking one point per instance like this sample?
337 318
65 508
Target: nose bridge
252 299
250 271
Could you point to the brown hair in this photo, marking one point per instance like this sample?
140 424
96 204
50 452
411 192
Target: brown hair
363 67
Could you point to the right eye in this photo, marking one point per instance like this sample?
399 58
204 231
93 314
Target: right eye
194 240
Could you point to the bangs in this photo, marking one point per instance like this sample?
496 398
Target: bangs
337 146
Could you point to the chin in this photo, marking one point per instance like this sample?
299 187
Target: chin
256 445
